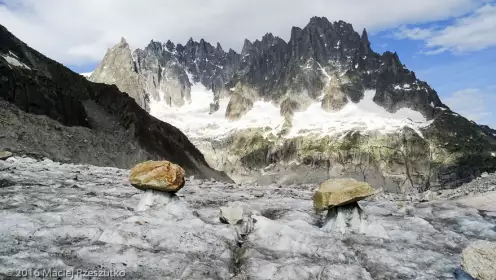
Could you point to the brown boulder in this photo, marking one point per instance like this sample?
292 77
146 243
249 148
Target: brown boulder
161 176
337 192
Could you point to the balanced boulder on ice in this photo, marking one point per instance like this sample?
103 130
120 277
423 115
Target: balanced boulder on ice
340 197
5 155
161 176
338 192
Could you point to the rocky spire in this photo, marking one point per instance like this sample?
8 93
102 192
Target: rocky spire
219 47
170 46
365 43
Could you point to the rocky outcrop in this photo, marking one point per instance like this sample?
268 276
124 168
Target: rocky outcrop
402 161
49 111
161 176
241 102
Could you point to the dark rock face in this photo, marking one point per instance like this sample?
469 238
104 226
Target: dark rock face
209 65
41 87
39 92
323 48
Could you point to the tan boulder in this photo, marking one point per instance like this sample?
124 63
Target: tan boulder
337 192
5 155
479 260
161 176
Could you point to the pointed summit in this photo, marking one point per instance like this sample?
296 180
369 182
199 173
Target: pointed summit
318 21
365 43
219 47
246 47
365 36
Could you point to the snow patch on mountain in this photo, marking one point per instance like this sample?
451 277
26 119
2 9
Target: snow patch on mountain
13 60
363 116
86 75
195 120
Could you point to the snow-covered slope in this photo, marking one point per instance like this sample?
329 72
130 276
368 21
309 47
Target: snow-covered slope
79 217
195 120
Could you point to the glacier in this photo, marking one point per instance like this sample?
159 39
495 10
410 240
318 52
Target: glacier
67 216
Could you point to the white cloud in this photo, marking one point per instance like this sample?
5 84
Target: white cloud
472 32
414 33
474 104
80 31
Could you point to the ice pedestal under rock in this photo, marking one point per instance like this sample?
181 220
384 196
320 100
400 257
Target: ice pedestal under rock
346 218
232 214
154 198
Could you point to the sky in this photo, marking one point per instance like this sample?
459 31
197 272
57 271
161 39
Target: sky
451 44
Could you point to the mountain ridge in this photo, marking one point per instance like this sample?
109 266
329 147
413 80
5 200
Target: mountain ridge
323 100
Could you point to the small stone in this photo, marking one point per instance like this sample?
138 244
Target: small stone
231 214
337 192
259 194
484 175
5 155
429 196
478 260
161 176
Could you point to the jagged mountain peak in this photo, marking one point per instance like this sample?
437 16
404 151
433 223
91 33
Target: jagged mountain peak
122 44
318 21
365 36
